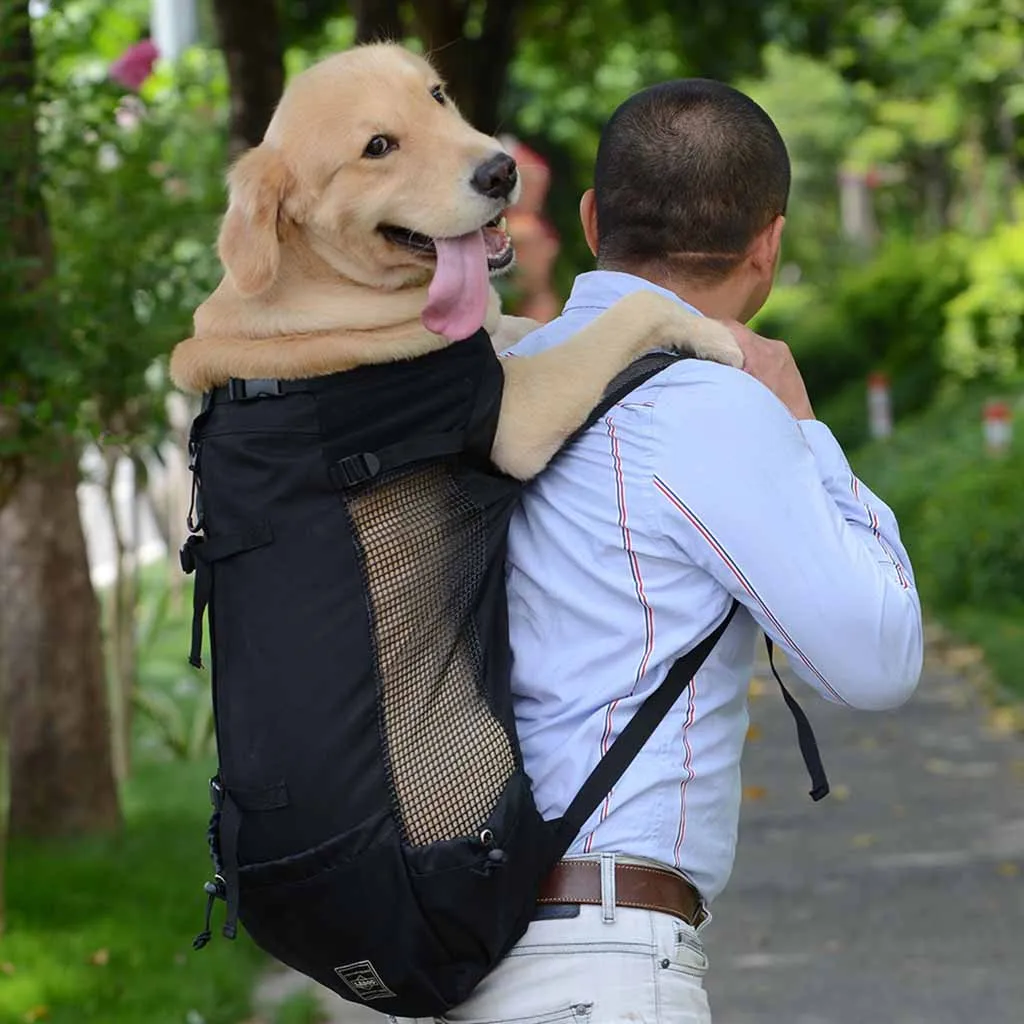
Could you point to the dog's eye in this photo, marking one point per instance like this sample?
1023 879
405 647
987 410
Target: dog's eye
378 146
438 93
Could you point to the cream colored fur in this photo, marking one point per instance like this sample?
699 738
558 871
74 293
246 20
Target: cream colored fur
311 287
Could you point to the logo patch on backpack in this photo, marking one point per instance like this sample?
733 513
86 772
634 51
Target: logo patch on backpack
364 980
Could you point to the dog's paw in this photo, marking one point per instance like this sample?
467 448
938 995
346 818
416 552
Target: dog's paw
676 327
712 340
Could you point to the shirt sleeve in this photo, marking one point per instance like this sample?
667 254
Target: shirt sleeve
769 507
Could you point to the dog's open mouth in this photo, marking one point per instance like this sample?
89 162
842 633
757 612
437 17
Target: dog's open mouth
497 242
459 294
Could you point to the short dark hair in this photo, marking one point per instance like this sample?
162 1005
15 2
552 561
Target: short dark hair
688 173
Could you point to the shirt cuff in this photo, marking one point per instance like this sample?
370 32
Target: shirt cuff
829 457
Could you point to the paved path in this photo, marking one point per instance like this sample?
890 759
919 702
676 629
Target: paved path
900 898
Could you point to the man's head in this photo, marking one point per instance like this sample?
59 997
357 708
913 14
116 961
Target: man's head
690 190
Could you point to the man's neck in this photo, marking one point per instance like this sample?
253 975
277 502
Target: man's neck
724 301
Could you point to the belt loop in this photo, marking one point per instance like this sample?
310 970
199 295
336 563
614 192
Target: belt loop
608 888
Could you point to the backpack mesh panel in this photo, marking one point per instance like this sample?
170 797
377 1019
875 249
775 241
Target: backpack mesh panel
423 550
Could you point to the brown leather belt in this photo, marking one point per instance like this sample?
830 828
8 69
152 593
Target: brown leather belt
636 885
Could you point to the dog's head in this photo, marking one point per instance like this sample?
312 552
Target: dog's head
368 163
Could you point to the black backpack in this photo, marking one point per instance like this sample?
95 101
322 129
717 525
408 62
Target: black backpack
373 827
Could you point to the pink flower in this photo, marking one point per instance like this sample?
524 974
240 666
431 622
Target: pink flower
134 66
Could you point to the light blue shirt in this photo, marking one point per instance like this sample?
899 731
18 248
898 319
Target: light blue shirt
697 488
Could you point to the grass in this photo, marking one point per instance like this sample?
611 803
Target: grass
100 931
300 1008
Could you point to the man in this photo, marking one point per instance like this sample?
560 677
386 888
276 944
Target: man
706 484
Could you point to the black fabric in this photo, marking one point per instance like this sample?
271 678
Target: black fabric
804 734
373 827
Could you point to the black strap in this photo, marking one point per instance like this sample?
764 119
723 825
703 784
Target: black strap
198 554
353 470
804 734
626 382
238 390
637 732
265 798
230 826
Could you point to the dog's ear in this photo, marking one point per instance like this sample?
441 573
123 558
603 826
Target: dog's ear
248 244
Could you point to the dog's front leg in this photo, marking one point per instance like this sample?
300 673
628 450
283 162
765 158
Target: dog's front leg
548 395
510 330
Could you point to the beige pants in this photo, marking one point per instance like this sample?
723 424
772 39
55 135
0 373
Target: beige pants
643 967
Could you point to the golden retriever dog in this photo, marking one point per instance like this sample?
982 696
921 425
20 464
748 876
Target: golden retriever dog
364 229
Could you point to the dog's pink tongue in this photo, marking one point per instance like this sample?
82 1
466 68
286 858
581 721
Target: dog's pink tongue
457 299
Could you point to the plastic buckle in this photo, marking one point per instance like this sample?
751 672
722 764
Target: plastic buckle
216 793
244 390
356 469
187 555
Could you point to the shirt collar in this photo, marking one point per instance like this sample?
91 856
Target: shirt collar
600 289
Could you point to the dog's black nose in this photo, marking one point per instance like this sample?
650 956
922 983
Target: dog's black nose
496 177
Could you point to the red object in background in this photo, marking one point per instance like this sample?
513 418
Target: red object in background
879 405
135 65
997 423
535 238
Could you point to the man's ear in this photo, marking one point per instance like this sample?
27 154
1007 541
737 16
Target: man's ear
588 219
248 244
765 251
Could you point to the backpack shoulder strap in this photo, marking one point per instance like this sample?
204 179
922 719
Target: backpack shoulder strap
637 732
627 381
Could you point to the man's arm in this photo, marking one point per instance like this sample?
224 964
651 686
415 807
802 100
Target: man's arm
768 506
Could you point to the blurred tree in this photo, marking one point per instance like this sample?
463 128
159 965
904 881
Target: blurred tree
62 781
249 33
377 19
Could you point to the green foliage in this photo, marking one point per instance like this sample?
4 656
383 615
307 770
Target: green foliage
133 187
958 507
985 331
100 932
820 115
175 713
959 513
971 545
885 315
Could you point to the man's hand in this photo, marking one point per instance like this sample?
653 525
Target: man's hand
772 363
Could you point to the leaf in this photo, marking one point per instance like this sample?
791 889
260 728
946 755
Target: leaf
754 793
1008 869
754 733
758 687
959 658
100 958
863 841
1006 721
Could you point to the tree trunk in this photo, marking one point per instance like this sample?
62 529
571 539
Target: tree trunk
473 62
61 781
122 652
377 20
249 33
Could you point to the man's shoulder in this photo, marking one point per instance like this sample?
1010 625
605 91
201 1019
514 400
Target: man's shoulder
689 379
718 406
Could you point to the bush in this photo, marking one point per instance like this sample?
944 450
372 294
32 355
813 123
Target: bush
971 547
985 333
958 508
888 314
